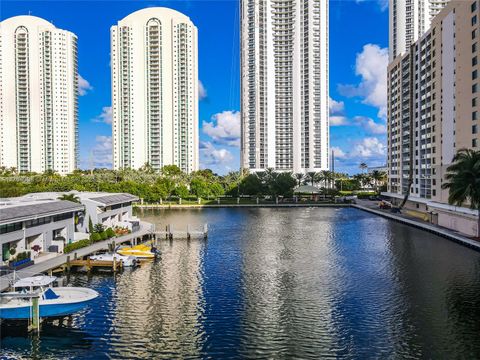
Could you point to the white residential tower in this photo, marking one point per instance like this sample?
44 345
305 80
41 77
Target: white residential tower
155 90
38 96
408 21
284 85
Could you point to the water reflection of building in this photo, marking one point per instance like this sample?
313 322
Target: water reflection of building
284 313
159 305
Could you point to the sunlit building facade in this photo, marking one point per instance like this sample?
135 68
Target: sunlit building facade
38 96
284 85
155 90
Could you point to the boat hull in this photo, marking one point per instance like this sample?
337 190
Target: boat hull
46 310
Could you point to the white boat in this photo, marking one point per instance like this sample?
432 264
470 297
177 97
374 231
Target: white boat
126 260
52 301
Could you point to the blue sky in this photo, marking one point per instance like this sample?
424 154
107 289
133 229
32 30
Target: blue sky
358 60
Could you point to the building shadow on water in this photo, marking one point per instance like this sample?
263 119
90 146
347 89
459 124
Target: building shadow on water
57 338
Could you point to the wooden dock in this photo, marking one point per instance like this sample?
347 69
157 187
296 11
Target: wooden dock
171 233
89 264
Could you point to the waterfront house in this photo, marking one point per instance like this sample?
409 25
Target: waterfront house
108 209
42 224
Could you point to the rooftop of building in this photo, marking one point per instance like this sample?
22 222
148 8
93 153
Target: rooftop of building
21 209
102 198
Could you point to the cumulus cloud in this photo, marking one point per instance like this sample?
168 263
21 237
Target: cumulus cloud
101 156
213 156
336 107
369 125
382 3
371 66
338 153
83 86
369 147
338 120
202 92
224 128
105 116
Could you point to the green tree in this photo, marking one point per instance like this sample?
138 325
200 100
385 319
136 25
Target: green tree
463 181
181 191
90 225
70 197
98 228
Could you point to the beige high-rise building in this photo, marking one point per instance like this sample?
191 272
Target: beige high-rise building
38 96
433 111
408 20
155 90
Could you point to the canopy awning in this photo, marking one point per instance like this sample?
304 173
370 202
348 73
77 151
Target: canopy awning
307 189
41 280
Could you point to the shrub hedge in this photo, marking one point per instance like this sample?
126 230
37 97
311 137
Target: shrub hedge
76 245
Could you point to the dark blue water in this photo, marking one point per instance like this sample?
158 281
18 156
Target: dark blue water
277 283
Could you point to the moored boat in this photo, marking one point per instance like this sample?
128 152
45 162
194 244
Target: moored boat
127 261
139 251
52 301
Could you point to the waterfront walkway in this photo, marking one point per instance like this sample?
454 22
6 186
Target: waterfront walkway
145 229
261 205
372 207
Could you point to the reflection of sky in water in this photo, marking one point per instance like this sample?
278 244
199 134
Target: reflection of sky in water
278 283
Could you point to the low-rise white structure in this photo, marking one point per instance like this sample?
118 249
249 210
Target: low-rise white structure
26 222
108 209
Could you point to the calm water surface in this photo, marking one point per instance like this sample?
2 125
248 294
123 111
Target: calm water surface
277 283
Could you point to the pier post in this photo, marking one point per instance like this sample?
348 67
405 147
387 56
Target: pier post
205 231
74 256
35 320
170 232
188 231
238 200
89 267
167 230
114 264
68 263
257 200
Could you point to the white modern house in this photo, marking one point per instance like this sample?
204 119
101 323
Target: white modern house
108 209
38 96
284 85
26 222
154 64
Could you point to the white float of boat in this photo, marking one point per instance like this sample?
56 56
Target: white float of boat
52 301
126 260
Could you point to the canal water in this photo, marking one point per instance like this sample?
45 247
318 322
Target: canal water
277 283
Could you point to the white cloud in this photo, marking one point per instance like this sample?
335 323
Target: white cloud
83 86
213 156
202 92
382 3
105 116
369 125
369 147
371 66
101 156
336 107
339 153
224 128
338 121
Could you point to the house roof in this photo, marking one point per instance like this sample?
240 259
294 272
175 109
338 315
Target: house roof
113 199
24 210
307 189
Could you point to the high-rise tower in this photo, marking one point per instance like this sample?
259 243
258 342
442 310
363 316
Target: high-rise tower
284 85
408 20
38 96
155 90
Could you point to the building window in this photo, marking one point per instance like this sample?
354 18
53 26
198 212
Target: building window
474 48
474 34
474 74
474 61
474 88
10 227
473 7
474 143
474 129
474 115
474 20
474 102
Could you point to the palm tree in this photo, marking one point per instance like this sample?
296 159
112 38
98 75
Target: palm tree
311 176
378 177
299 177
463 180
70 197
363 166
